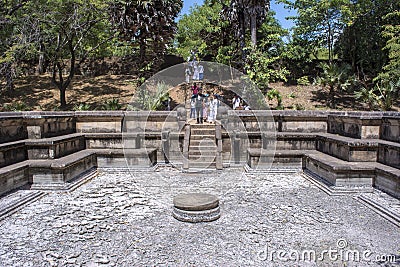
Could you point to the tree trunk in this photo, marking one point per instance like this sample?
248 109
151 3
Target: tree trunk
330 45
63 100
40 69
332 97
9 77
253 27
58 69
242 35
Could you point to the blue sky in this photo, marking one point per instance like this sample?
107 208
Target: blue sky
281 13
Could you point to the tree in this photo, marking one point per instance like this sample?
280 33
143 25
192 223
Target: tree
319 23
69 31
391 32
244 14
9 43
203 30
148 27
362 42
263 63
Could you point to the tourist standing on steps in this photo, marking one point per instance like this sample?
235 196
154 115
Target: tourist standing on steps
206 105
201 72
195 71
193 107
213 109
188 73
195 89
199 107
235 102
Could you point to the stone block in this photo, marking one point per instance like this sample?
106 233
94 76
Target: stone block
388 180
13 176
390 129
389 154
12 152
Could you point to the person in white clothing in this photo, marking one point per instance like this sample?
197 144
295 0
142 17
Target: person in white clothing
201 72
187 75
195 72
235 102
213 109
193 107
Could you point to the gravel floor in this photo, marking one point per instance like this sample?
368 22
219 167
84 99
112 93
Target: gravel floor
124 219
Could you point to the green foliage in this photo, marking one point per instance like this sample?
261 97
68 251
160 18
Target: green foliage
391 31
319 23
273 93
336 78
81 107
362 40
60 35
112 104
261 68
150 97
292 95
387 92
303 81
367 96
298 106
16 106
201 29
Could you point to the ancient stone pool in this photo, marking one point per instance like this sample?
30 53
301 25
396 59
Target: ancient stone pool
267 219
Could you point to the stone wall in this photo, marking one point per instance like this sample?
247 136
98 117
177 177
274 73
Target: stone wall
59 137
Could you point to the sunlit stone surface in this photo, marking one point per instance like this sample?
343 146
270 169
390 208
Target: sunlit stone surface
122 220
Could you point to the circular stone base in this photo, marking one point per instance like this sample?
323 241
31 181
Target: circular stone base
196 216
196 207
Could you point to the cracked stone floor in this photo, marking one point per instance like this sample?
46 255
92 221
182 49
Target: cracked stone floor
268 219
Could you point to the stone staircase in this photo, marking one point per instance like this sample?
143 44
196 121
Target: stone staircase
202 146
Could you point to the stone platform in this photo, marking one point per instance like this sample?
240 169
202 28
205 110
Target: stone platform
196 207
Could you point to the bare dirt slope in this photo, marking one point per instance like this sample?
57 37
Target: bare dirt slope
38 93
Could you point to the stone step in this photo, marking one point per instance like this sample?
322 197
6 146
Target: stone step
196 149
203 125
55 147
335 171
202 152
202 136
14 176
390 129
203 131
203 165
347 148
202 158
202 143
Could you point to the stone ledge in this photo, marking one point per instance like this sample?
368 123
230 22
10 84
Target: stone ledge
334 170
12 152
54 147
389 154
14 176
349 141
54 140
17 204
388 180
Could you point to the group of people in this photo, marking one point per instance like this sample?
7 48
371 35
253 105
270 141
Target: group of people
194 68
237 104
203 107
